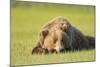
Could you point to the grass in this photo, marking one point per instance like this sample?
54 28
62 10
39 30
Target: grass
67 57
26 22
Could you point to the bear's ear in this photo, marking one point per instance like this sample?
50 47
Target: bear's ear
44 32
64 27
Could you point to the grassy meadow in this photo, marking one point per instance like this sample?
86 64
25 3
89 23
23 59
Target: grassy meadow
27 20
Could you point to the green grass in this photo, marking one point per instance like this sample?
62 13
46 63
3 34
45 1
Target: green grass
27 21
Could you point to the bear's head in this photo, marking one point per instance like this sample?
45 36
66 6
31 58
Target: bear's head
54 35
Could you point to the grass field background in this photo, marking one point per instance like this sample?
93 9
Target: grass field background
27 19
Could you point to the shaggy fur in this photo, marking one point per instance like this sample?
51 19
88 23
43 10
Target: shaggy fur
59 35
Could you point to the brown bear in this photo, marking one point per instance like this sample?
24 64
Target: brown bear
59 35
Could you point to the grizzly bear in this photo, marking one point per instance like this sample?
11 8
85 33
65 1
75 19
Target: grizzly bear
59 35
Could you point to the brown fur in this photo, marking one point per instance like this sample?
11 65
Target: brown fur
59 35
